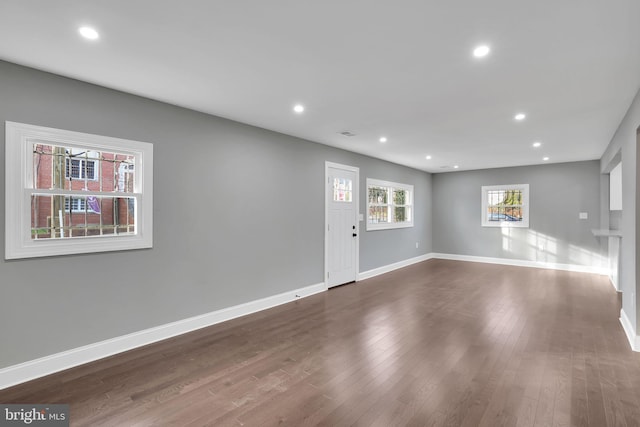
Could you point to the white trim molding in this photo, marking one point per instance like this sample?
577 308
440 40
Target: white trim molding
634 339
396 265
47 365
487 260
613 283
525 263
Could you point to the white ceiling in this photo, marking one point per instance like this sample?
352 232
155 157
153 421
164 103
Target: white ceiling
402 69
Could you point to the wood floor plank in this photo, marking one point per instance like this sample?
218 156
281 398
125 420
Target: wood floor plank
439 343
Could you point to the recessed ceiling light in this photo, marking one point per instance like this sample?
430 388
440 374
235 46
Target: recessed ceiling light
545 159
298 108
481 51
383 139
456 166
428 157
537 144
520 116
88 33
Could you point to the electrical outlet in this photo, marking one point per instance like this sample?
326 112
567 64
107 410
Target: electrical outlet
417 244
583 215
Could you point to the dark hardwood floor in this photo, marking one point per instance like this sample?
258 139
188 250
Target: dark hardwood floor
440 343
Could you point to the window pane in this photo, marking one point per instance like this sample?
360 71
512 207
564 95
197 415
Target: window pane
56 167
513 213
378 214
400 214
378 195
69 217
513 197
400 197
504 205
342 190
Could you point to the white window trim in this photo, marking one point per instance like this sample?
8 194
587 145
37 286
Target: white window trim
390 225
19 187
510 224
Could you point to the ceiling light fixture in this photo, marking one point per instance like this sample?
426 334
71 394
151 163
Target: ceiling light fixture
520 116
456 166
537 144
428 157
298 108
88 33
481 51
383 139
545 159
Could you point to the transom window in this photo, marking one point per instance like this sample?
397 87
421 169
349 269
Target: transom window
505 205
70 192
389 205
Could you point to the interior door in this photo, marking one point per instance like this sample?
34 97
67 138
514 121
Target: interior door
342 225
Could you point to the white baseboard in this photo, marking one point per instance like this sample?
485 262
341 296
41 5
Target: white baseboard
634 339
524 263
37 368
504 261
387 268
613 283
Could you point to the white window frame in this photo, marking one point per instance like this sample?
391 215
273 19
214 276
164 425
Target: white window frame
371 182
19 188
510 224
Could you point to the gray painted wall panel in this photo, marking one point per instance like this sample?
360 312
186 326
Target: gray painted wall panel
624 143
238 216
558 193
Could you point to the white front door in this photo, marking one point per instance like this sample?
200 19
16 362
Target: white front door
342 224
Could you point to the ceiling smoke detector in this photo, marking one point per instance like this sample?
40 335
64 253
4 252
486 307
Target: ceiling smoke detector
347 133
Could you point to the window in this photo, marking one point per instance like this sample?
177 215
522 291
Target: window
342 190
389 205
76 205
69 192
505 205
80 169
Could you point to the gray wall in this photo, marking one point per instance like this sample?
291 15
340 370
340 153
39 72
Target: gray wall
238 216
557 194
624 144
